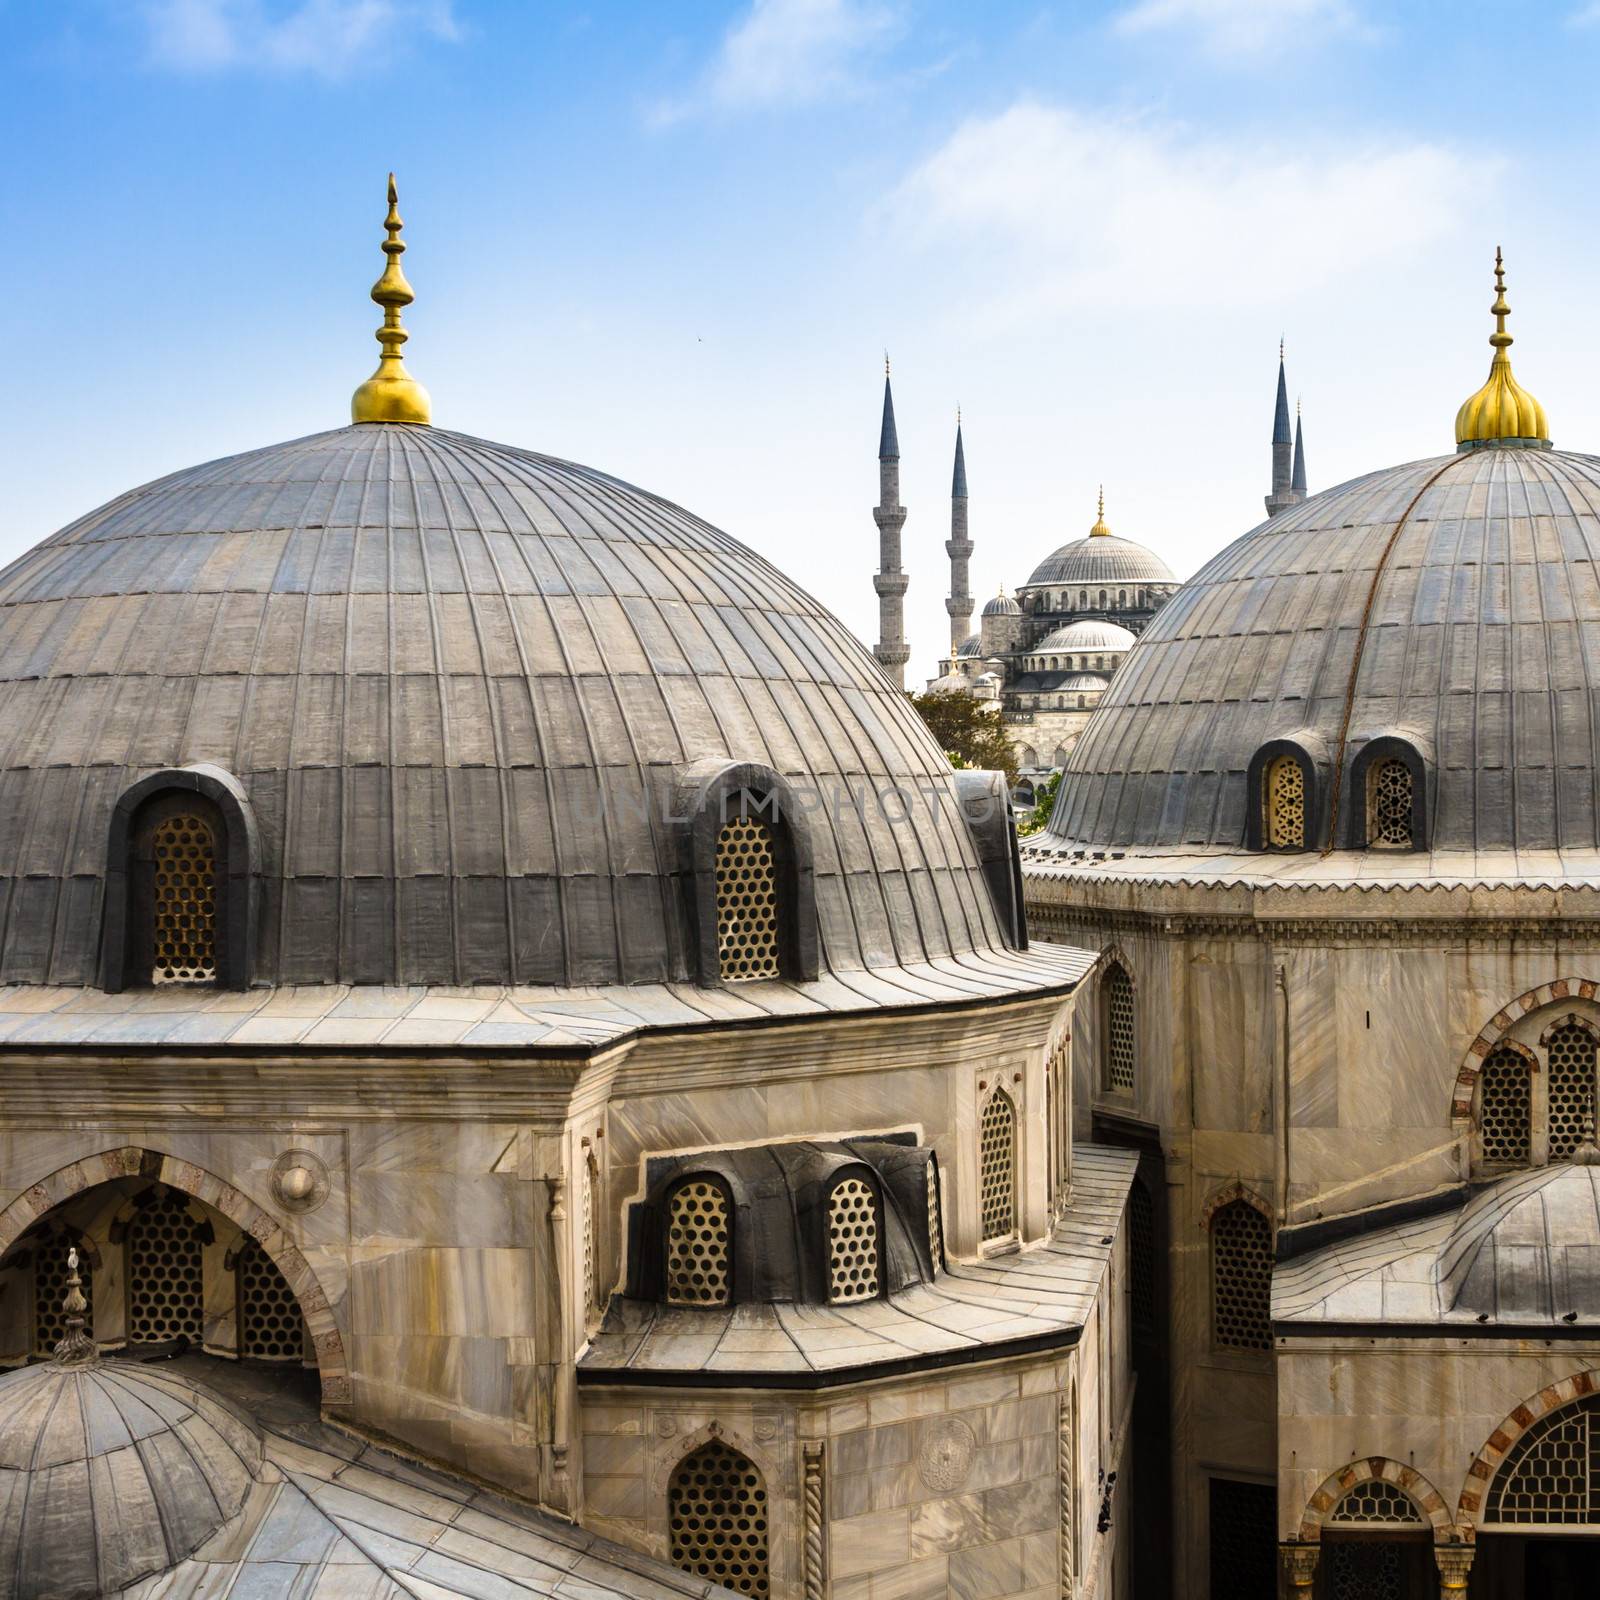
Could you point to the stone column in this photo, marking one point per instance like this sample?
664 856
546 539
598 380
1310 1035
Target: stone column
814 1502
1455 1562
1299 1568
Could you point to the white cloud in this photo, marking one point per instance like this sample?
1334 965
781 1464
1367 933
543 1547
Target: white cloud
1244 27
785 53
326 37
1059 210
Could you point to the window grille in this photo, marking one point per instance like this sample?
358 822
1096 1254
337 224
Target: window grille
935 1230
1285 803
1505 1117
166 1298
185 901
997 1167
271 1327
1376 1501
717 1513
1244 1540
1389 798
852 1242
1142 1257
1570 1086
1118 989
50 1293
697 1245
1552 1474
747 901
1364 1569
1241 1277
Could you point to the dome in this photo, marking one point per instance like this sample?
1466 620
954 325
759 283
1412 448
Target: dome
1084 682
1086 635
1448 602
1101 558
971 646
112 1473
1001 606
457 682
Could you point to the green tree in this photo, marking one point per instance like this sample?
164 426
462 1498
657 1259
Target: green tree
969 731
1044 802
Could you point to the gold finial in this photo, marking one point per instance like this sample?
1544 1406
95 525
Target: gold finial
1100 530
1502 411
75 1348
886 363
391 394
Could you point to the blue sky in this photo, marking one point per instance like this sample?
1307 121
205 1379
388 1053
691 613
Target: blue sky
673 241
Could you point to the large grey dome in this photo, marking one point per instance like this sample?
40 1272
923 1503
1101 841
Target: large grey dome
1452 603
1101 558
457 682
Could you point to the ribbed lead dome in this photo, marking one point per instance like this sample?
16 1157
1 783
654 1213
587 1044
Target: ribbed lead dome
456 681
1101 558
1479 645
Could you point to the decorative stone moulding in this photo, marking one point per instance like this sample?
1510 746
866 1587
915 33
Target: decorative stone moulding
945 1459
1489 1036
299 1180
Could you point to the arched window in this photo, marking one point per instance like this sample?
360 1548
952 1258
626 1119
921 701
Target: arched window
699 1245
1552 1473
853 1265
1102 599
1116 990
1505 1107
1080 702
747 900
1083 599
1377 1501
1283 803
997 1167
717 1516
1122 597
1241 1277
1390 798
1570 1085
271 1325
166 1298
50 1291
176 851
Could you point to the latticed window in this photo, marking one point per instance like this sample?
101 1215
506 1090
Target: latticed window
50 1293
1117 987
1284 804
1552 1474
1376 1501
184 851
1365 1569
852 1241
717 1515
935 1226
699 1240
1570 1087
1241 1277
271 1327
1142 1257
747 900
166 1298
1389 800
1244 1540
1505 1100
997 1167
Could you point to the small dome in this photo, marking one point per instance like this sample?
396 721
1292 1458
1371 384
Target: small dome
1087 635
1084 682
1101 558
950 683
115 1474
969 647
1002 606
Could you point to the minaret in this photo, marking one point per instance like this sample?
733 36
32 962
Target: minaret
1283 495
1298 485
890 582
959 548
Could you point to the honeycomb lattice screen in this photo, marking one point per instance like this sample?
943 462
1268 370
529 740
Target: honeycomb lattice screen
1286 804
185 901
1389 793
50 1290
852 1242
1241 1277
1119 1029
698 1245
717 1513
1142 1257
997 1167
166 1295
271 1327
747 901
1570 1085
935 1227
1364 1569
1505 1101
1552 1474
1376 1501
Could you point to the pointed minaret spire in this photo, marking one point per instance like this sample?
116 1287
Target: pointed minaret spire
1298 482
890 582
1282 495
391 394
959 548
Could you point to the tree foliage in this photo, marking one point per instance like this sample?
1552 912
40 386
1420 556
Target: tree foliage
969 731
1044 802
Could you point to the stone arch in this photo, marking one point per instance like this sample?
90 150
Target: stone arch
1497 1025
1422 1494
1498 1445
1574 1017
1226 1195
131 1161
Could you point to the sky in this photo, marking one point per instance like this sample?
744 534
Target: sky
673 241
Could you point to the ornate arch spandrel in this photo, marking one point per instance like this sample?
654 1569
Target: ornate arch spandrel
1494 1030
1430 1505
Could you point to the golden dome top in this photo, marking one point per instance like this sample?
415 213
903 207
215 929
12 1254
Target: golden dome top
391 394
1100 530
1502 411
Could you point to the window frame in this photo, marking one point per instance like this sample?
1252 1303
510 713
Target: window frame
989 1243
1225 1202
679 1182
1388 747
862 1173
1261 765
1115 963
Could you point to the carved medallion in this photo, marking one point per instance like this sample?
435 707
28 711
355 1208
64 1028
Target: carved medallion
299 1180
946 1456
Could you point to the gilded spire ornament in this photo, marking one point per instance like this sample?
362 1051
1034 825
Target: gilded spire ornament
1502 411
75 1348
391 394
1100 530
